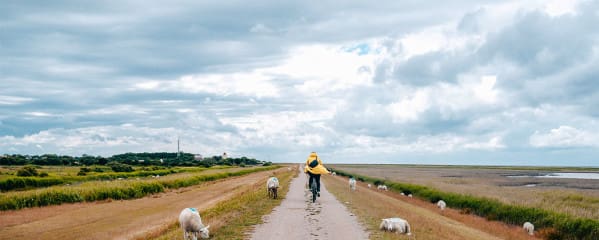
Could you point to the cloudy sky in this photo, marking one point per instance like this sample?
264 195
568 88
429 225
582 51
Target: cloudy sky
465 82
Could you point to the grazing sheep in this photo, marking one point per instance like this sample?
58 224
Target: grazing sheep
410 195
382 187
271 187
397 225
191 223
334 174
369 186
352 184
441 204
403 194
528 227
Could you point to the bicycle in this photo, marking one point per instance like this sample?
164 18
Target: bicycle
314 190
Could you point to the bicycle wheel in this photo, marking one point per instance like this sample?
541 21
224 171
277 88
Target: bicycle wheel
314 190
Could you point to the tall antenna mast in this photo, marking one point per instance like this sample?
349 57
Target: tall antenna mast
178 149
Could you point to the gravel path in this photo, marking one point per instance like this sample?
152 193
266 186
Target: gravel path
298 218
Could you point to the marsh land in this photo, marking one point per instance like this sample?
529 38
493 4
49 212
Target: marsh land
576 197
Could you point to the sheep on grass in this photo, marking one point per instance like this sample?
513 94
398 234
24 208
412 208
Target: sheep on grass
192 226
396 225
382 187
271 187
528 227
352 184
441 204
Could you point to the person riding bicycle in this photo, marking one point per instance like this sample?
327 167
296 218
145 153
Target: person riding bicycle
314 168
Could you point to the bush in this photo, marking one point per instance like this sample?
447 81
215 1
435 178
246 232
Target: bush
43 174
120 167
27 171
12 183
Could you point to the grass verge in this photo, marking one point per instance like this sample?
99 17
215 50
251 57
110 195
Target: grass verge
24 183
94 191
234 218
557 225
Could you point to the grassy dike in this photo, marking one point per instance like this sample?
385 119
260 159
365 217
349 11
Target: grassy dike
20 183
557 225
94 191
368 213
232 219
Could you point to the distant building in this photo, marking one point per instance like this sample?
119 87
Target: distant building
224 155
198 157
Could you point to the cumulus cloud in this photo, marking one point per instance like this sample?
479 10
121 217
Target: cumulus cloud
564 136
394 79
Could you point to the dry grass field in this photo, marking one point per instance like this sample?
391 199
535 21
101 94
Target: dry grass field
122 219
426 220
235 217
577 197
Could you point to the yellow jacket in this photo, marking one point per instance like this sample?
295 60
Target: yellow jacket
319 169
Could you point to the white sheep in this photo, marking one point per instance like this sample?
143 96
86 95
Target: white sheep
410 195
369 186
191 223
271 187
528 227
352 184
441 204
382 187
396 224
334 174
403 194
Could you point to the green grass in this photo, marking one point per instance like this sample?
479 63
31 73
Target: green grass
67 175
12 183
562 226
235 217
101 190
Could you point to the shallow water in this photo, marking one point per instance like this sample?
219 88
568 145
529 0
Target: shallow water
563 175
572 175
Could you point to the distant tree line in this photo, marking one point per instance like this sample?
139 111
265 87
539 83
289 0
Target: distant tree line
135 159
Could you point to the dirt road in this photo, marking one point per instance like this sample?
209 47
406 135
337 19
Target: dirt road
118 219
298 218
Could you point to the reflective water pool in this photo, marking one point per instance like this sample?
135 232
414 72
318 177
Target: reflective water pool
563 175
